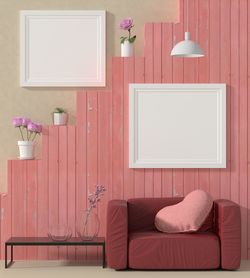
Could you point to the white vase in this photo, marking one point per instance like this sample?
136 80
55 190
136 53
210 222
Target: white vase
127 49
60 118
26 149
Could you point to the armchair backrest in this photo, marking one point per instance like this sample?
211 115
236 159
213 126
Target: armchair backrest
142 211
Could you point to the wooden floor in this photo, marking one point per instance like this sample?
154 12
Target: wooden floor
61 269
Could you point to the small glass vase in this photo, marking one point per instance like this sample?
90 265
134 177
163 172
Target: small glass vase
88 225
59 233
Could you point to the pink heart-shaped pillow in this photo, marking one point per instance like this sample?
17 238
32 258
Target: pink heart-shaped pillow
186 216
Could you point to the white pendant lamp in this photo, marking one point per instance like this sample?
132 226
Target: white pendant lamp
187 48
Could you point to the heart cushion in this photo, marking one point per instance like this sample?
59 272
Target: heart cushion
186 216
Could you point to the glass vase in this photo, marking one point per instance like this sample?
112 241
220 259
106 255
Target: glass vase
59 232
88 225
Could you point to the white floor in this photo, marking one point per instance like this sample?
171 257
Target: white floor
46 269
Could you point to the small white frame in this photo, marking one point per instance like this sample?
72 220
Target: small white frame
62 48
177 125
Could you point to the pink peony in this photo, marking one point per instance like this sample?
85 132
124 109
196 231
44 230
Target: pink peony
25 122
17 121
27 128
126 24
33 127
39 128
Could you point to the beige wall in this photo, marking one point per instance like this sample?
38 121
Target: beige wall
37 103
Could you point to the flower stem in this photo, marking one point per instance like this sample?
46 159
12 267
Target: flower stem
87 216
129 34
21 132
34 136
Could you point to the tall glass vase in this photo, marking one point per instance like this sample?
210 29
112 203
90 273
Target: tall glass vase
88 225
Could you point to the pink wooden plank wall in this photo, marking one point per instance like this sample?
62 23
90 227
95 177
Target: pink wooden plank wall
75 158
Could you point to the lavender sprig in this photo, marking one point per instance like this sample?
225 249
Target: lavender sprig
95 197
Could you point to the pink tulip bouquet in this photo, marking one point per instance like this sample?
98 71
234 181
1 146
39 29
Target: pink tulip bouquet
27 128
127 24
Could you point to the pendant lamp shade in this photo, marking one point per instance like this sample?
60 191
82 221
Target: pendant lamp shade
187 48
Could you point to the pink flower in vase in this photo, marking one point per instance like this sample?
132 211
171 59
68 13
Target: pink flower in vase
17 121
27 128
25 122
33 127
126 23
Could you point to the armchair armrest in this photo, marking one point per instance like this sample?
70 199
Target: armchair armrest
117 234
228 228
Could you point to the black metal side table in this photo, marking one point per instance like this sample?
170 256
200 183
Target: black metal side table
46 241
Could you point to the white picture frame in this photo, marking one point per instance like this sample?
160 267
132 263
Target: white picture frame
62 48
177 125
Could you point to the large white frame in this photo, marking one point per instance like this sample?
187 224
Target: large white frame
62 48
177 126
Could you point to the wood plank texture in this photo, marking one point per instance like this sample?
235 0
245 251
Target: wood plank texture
19 209
92 156
190 76
203 71
81 163
62 183
149 78
139 174
43 194
129 71
243 188
6 212
214 76
117 128
178 77
71 186
31 204
54 189
225 60
53 180
235 95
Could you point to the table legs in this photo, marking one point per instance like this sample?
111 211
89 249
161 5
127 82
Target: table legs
6 256
8 264
103 256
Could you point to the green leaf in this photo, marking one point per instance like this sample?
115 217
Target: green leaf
131 40
123 39
59 110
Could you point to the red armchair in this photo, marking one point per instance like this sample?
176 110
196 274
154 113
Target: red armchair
133 242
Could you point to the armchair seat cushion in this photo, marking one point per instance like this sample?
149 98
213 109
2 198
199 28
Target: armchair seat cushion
156 250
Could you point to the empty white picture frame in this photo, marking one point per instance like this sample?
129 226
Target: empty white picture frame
177 125
62 48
